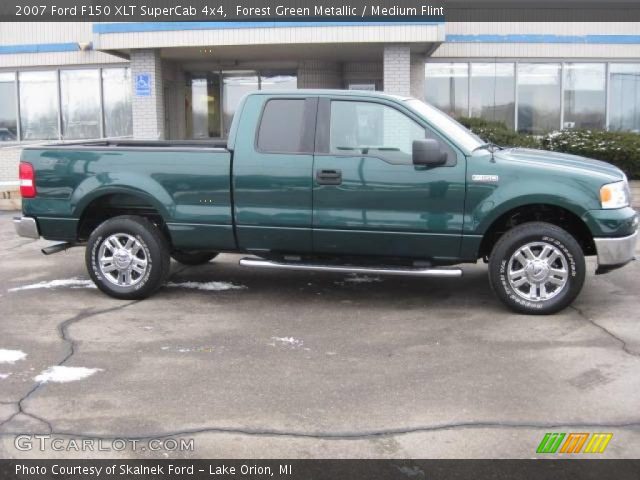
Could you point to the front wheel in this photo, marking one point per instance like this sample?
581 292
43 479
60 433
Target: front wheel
128 257
537 268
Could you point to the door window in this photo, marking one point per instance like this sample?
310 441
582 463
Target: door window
372 129
282 125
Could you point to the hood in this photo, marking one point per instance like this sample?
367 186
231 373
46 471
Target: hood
570 163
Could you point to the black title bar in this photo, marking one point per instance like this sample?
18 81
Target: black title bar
320 11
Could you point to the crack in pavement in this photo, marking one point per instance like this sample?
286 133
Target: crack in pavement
623 343
62 329
346 435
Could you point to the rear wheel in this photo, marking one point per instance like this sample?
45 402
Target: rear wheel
193 258
537 268
127 257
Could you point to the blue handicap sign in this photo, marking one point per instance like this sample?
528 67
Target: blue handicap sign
143 85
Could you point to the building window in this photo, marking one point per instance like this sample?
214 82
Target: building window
493 92
278 81
624 105
585 96
39 105
447 87
8 114
235 86
80 101
538 97
116 99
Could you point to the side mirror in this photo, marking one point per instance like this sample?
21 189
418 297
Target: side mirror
427 152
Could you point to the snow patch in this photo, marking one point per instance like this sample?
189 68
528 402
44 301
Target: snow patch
64 282
209 286
11 356
355 278
60 374
288 341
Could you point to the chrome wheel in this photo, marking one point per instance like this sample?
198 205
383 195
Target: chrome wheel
122 260
538 271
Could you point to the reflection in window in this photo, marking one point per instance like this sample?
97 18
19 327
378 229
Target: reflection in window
203 102
373 129
80 100
278 81
625 97
585 95
447 87
493 92
116 87
38 105
8 118
538 97
235 86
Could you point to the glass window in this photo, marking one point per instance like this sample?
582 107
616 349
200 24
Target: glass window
625 97
116 93
538 97
38 105
80 101
493 92
8 118
235 86
278 81
203 107
585 96
281 126
447 87
373 129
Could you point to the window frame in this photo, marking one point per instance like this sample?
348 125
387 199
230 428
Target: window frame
309 122
323 130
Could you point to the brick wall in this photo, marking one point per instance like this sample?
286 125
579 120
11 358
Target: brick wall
148 112
397 71
9 159
319 74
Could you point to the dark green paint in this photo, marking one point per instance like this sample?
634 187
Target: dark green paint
379 209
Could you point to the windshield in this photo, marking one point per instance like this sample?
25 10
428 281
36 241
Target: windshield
447 125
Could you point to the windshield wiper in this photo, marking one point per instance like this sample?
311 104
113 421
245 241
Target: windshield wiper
492 147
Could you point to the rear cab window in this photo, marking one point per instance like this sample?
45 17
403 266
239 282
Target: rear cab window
287 125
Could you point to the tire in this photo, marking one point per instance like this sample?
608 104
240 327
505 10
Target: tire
134 270
554 260
193 258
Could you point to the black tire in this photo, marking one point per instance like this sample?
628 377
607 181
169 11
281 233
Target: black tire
151 246
193 258
565 253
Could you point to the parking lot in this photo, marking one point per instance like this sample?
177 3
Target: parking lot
280 364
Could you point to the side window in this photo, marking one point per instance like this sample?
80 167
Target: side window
372 129
281 127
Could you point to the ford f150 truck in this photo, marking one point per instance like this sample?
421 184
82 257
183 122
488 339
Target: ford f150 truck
337 181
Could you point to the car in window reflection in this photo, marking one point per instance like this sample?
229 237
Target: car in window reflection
7 135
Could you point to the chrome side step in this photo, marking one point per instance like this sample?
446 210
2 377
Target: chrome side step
415 272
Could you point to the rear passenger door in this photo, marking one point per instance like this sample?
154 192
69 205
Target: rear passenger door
272 174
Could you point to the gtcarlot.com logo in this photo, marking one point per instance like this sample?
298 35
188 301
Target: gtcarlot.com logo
46 443
574 443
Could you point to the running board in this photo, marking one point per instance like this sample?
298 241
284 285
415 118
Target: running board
415 272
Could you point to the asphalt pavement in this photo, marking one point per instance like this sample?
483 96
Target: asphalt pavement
242 363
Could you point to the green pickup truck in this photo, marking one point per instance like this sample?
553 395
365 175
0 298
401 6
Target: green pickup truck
337 181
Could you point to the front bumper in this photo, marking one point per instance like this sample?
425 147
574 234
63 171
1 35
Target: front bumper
26 227
615 252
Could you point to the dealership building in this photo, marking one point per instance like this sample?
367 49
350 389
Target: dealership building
72 81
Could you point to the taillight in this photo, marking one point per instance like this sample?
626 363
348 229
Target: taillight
27 180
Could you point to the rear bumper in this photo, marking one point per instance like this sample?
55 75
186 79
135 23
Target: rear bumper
615 252
26 227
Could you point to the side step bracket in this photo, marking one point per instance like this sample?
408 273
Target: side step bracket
382 270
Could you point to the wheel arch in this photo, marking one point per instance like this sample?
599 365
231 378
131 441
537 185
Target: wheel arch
542 212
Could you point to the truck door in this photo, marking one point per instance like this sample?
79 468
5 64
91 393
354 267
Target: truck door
272 172
368 196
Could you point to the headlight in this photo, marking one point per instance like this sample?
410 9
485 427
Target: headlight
615 195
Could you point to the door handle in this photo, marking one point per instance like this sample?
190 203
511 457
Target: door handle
329 177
